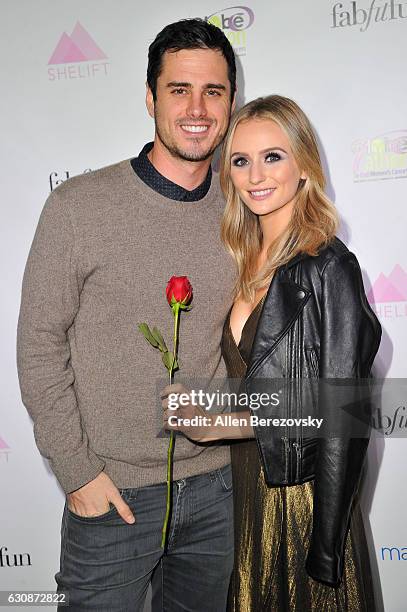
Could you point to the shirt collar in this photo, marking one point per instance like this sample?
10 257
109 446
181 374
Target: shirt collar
151 177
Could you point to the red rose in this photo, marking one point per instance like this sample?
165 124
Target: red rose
179 289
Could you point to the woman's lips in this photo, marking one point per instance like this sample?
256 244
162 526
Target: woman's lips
261 194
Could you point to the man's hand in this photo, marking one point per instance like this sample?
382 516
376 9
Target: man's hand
93 499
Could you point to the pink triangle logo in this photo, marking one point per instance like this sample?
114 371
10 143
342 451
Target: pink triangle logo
78 47
389 289
3 444
398 279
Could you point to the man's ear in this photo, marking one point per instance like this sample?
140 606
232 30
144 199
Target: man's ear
149 101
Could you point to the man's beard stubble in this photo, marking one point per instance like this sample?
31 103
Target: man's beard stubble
192 156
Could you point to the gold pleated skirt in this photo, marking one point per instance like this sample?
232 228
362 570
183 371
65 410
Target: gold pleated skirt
273 527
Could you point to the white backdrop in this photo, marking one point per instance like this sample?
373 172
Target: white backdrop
72 99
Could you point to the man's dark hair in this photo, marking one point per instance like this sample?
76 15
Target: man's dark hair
189 34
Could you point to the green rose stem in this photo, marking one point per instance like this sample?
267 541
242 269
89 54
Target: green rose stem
179 295
175 309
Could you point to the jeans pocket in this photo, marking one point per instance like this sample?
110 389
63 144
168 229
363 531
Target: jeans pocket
225 478
126 495
92 519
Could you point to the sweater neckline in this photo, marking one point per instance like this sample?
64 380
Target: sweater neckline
149 174
148 194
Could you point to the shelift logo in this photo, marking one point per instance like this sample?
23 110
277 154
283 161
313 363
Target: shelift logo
234 21
381 157
5 450
13 559
394 553
355 15
56 179
77 57
388 295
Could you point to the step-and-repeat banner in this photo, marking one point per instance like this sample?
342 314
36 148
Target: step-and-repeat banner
73 86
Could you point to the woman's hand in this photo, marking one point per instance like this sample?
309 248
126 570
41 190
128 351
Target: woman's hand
182 415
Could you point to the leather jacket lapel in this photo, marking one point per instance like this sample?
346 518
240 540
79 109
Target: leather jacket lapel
284 302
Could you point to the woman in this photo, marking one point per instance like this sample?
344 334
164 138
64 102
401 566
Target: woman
299 312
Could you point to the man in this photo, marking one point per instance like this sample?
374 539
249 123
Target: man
106 244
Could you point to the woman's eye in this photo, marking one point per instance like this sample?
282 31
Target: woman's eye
239 161
272 157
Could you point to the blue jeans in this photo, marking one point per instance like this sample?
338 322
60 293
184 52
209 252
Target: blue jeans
107 564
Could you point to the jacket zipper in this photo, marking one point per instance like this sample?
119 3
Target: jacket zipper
286 443
314 362
297 447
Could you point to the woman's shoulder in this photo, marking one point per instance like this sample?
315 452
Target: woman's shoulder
333 256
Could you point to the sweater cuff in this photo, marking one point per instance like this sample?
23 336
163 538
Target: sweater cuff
76 470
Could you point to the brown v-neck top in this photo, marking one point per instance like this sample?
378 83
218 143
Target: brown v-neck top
237 356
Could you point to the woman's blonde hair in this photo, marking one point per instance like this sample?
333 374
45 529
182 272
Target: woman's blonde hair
314 219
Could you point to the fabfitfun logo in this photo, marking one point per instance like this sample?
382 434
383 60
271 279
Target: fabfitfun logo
380 158
390 424
8 559
388 295
55 179
364 17
234 21
77 57
5 450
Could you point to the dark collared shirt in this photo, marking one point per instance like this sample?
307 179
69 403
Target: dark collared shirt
151 177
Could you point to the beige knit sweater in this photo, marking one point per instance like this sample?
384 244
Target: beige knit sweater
105 247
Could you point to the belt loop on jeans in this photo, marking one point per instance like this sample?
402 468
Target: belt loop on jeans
128 494
213 475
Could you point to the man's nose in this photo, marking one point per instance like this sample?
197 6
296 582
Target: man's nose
196 106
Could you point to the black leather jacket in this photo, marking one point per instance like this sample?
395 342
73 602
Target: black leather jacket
316 322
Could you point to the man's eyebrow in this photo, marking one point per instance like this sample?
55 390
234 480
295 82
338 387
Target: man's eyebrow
189 85
178 84
215 86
